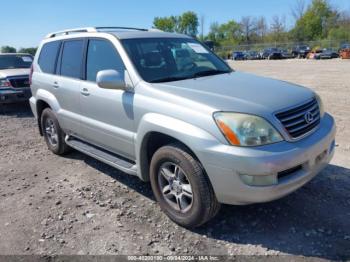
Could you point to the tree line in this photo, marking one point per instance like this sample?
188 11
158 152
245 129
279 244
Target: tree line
10 49
317 21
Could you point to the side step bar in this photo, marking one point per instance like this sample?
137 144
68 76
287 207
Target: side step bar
103 155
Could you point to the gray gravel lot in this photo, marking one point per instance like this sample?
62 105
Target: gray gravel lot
78 205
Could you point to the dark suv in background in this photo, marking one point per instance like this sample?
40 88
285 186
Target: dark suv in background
271 53
301 51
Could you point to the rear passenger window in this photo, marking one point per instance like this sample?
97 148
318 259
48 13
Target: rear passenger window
48 56
101 56
72 58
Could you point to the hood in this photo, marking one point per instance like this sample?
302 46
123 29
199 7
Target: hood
238 92
14 72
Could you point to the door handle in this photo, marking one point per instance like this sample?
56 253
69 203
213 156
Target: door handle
84 91
55 85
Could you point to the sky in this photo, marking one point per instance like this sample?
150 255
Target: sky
24 23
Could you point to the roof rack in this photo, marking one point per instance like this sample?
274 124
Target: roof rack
96 29
119 27
69 31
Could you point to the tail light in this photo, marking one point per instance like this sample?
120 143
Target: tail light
31 74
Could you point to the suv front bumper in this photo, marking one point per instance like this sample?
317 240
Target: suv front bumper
224 164
12 95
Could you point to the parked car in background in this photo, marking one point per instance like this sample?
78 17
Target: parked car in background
272 53
344 51
326 53
301 51
238 55
252 55
201 133
344 46
287 54
14 77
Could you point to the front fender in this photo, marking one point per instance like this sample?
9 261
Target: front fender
196 139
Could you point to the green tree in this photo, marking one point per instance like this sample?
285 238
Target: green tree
168 24
225 34
316 22
341 31
8 49
30 50
188 23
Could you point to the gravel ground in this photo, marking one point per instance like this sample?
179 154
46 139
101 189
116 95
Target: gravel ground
77 205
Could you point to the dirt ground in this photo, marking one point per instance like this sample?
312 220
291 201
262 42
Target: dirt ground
78 205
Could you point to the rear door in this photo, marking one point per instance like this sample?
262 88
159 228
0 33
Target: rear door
67 83
106 115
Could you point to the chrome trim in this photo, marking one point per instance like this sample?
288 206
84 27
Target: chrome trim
289 137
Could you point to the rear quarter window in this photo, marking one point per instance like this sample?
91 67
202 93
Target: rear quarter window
48 57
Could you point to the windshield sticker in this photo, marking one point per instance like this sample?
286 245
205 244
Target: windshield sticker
198 48
27 59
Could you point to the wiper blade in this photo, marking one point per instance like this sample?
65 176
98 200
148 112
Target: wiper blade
169 79
198 74
210 73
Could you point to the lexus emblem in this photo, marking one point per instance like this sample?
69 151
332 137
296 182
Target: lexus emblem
309 117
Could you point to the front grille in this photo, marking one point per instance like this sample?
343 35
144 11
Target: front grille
297 121
19 82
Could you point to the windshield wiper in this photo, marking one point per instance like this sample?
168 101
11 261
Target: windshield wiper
169 79
195 75
210 73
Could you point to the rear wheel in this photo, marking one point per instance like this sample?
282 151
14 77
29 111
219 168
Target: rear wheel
53 134
181 186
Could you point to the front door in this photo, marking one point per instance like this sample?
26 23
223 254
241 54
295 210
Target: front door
107 116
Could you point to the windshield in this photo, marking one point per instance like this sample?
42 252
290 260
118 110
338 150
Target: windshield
15 61
171 59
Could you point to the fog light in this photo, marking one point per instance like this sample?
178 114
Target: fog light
259 180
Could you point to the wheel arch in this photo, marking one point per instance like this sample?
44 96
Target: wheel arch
41 105
157 130
151 143
44 99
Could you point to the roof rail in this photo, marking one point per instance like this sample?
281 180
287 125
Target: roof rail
119 27
75 30
96 29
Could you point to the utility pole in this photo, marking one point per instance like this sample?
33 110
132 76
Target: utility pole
202 27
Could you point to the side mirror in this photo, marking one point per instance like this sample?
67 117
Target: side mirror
111 79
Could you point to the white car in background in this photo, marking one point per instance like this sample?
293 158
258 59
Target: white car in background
14 77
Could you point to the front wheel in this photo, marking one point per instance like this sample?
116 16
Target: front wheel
181 187
53 134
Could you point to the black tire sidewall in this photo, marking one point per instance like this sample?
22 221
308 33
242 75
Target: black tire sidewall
48 114
194 173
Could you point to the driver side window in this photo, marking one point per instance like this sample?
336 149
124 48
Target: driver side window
101 55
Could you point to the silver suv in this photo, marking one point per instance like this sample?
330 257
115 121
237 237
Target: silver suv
163 107
14 77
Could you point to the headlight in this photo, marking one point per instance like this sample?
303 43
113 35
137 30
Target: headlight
4 82
320 105
246 130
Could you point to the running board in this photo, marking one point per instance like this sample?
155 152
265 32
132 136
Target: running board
103 155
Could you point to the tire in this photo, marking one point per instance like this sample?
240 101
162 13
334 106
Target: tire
190 212
53 134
